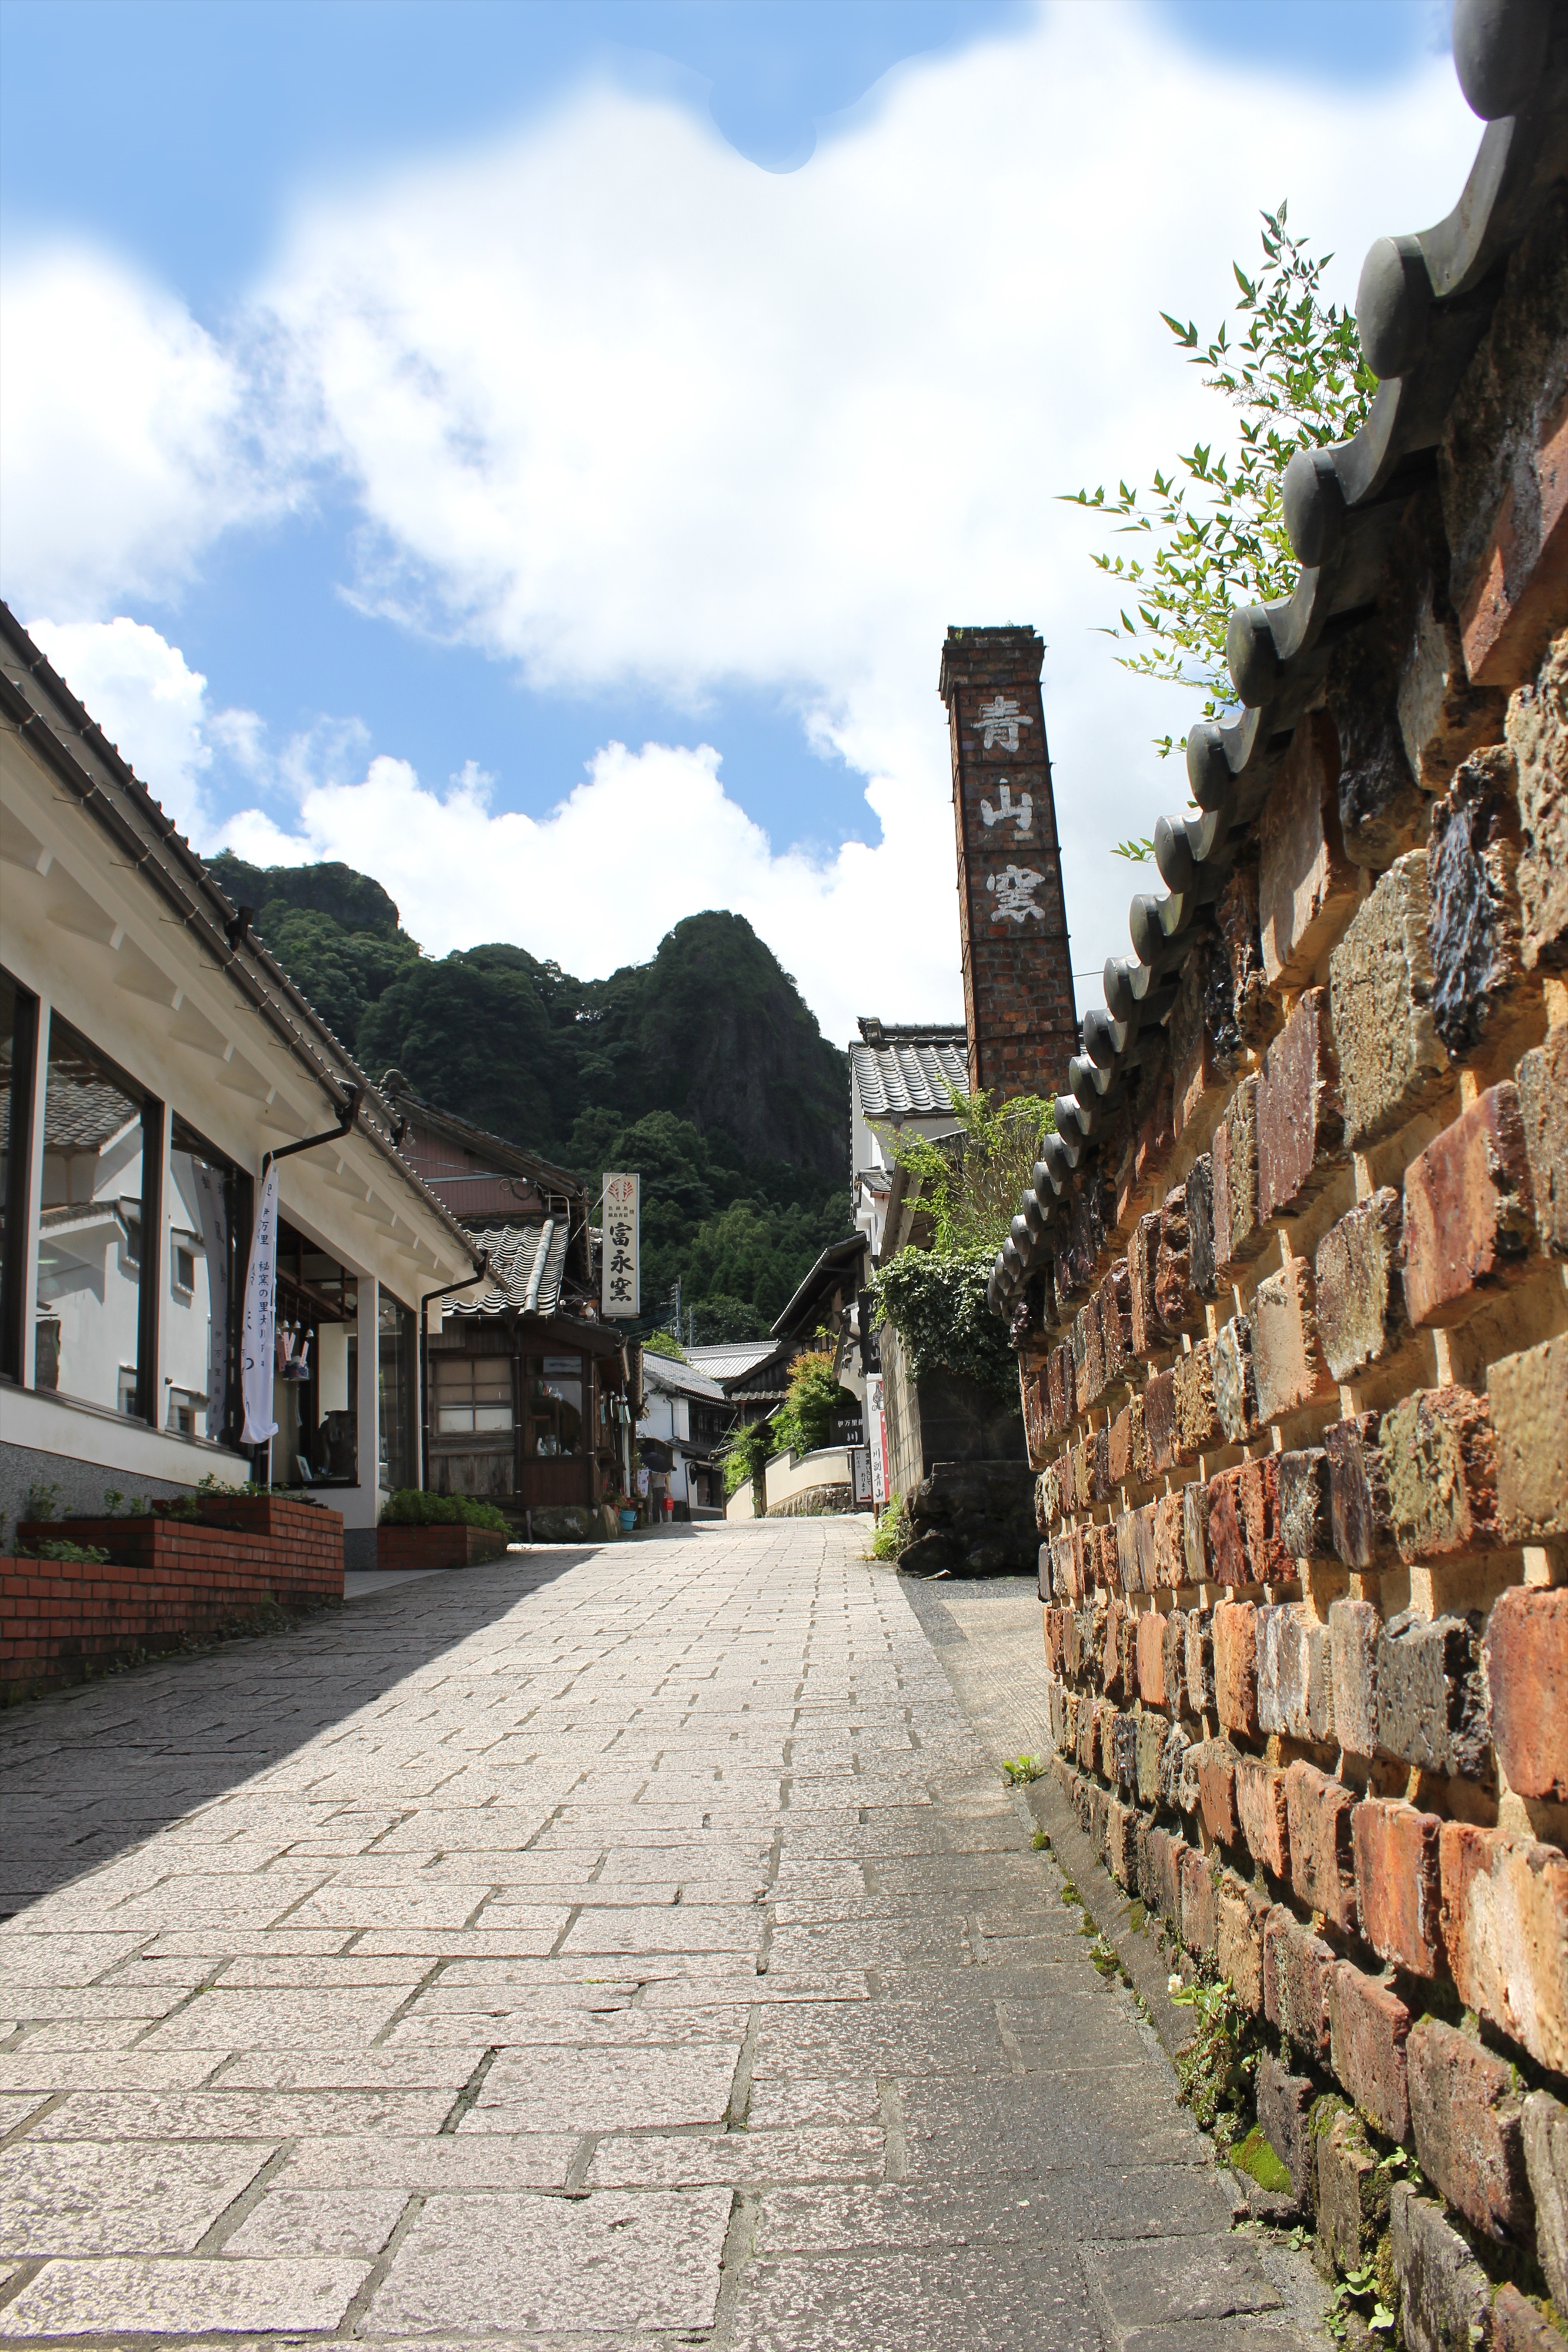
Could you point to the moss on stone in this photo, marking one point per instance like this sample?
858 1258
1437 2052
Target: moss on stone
1256 2158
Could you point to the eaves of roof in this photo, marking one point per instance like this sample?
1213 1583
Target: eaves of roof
525 1163
836 1254
70 742
1424 303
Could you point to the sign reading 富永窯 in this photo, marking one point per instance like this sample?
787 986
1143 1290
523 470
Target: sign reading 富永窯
621 1289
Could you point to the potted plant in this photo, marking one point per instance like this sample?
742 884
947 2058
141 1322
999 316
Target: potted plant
423 1530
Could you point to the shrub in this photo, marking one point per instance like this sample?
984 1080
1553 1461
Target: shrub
813 1401
745 1455
412 1506
938 1308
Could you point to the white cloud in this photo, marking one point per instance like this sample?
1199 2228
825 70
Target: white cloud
147 702
122 454
618 406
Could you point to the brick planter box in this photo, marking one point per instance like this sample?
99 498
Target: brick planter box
438 1547
164 1578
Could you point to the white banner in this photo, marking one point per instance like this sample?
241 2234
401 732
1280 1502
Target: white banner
877 1437
621 1285
260 1313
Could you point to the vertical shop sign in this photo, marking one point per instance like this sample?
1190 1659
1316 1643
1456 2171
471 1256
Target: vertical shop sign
260 1311
877 1437
621 1282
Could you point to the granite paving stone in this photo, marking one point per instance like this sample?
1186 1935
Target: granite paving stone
606 1946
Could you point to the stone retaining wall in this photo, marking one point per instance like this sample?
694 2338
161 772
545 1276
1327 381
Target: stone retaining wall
1296 1387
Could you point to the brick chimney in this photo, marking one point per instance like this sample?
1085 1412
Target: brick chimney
1018 976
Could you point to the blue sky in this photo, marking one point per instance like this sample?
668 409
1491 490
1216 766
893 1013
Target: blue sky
230 163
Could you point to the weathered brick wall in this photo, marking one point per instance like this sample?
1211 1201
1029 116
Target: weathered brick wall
1296 1387
164 1578
1018 976
437 1546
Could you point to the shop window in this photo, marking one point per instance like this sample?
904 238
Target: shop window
18 1043
315 1378
208 1221
472 1394
555 1407
395 1353
91 1340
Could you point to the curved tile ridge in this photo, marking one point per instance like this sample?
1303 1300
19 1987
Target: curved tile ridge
1423 304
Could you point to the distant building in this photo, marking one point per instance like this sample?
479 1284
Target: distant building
686 1416
533 1398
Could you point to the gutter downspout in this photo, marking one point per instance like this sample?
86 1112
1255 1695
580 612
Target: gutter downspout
482 1267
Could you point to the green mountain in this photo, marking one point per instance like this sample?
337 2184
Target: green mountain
704 1070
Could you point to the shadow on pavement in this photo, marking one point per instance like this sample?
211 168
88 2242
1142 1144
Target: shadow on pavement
87 1772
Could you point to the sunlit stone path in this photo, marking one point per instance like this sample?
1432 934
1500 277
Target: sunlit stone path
616 1947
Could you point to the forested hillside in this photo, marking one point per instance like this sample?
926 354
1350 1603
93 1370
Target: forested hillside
704 1070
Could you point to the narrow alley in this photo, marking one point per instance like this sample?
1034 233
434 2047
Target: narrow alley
614 1947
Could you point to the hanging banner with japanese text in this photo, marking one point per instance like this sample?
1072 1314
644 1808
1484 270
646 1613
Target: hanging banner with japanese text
621 1292
260 1312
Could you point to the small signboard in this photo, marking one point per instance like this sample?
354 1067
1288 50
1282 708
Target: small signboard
860 1472
621 1289
876 1432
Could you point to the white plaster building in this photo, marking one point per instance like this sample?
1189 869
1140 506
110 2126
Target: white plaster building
151 1053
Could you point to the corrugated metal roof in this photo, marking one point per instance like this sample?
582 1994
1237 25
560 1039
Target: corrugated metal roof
728 1358
514 1251
664 1372
910 1075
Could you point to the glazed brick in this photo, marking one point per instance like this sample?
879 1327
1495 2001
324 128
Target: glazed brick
1297 1967
1125 1750
1194 1531
1142 1459
1542 1082
1473 931
1526 1655
1109 1658
1075 1484
1216 1777
1170 1567
1467 2120
1062 1388
1199 1660
1198 1429
1306 884
1173 1660
1469 1210
1440 1462
1151 1666
1114 1323
1225 1539
1380 992
1301 1120
1145 1331
1285 2103
1166 1849
1121 1844
1546 2161
1398 1883
1359 1285
1235 1392
1126 1551
1088 1356
1238 1234
1359 1525
1349 2207
1258 1504
1160 1424
1528 1398
1239 1912
1322 1863
1537 732
1295 1674
1144 1531
1303 1487
1177 1305
1369 2028
1177 1789
1505 1931
1288 1369
1199 1909
1198 1190
1261 1808
1234 1630
1431 1701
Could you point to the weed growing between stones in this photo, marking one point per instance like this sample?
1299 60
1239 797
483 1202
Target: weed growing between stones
1214 2068
1367 2294
1021 1769
1041 1842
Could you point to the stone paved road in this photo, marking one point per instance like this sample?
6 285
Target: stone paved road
614 1948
